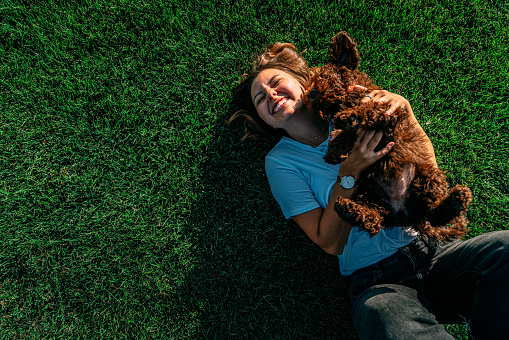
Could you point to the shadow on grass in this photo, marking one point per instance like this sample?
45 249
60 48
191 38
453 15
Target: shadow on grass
256 276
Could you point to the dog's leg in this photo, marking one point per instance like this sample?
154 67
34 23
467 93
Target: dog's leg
360 215
429 188
456 229
444 210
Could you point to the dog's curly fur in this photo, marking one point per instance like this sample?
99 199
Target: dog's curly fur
402 189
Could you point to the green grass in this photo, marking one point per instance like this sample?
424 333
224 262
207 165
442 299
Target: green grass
128 209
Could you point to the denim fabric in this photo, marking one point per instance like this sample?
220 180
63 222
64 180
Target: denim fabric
413 292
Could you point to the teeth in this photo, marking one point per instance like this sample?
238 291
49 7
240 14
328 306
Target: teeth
278 106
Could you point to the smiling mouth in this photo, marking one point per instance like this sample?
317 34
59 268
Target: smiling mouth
279 105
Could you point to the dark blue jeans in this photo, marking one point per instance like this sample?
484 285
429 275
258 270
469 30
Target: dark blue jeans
413 292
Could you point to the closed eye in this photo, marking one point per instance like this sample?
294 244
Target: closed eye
262 98
264 95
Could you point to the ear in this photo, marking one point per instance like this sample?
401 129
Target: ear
343 51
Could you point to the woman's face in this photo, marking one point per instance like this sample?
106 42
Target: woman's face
276 96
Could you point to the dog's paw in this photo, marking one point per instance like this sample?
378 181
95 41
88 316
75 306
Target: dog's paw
345 209
461 196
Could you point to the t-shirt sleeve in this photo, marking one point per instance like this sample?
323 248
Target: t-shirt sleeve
290 188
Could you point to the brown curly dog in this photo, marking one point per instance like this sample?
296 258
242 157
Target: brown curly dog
404 188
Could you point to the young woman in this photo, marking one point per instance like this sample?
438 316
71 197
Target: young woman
402 286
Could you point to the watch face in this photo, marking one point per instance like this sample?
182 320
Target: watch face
348 182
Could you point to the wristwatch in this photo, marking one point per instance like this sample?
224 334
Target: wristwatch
347 182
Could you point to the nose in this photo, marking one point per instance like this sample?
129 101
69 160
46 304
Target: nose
272 93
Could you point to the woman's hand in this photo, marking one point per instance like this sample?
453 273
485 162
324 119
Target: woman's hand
363 152
394 100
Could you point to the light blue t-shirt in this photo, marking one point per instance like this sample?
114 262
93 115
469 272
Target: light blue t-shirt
301 181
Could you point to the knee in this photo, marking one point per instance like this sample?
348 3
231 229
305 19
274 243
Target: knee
375 309
369 305
368 313
500 237
495 247
392 312
495 258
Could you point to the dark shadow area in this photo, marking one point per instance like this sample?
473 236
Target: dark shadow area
256 275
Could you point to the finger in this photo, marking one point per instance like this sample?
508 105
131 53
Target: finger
392 109
381 98
384 97
384 151
369 97
360 133
356 87
380 94
359 87
366 99
394 105
368 136
377 137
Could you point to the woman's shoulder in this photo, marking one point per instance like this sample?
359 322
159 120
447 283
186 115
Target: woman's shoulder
290 154
287 151
289 147
283 147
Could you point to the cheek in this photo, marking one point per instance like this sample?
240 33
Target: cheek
263 115
267 120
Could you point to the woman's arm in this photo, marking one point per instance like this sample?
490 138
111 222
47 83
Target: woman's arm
325 227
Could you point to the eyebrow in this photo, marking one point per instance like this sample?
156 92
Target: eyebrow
260 92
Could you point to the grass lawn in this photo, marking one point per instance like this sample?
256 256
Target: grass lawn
129 210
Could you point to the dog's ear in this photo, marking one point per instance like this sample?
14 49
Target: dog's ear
343 51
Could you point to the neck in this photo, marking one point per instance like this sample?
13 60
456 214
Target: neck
310 129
